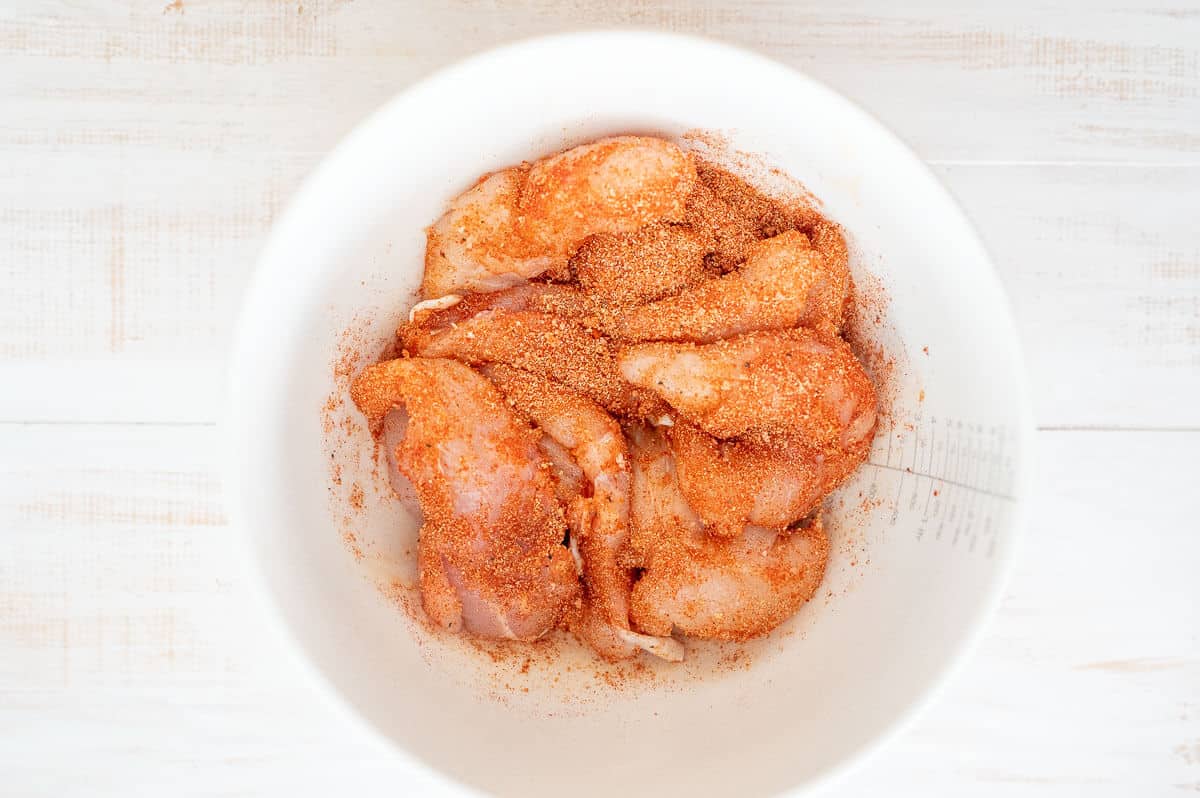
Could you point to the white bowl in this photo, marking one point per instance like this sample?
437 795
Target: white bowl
911 579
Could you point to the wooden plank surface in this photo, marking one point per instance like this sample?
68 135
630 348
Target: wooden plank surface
1102 265
145 149
1109 81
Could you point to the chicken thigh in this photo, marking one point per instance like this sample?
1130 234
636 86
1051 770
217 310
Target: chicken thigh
520 222
490 555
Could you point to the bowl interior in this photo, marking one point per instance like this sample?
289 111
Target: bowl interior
921 536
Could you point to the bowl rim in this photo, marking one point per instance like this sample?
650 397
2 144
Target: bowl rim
235 424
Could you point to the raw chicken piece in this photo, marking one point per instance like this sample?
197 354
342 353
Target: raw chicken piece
732 484
642 266
784 283
727 236
490 554
568 476
733 588
779 388
735 483
426 322
827 239
718 588
613 185
520 222
547 344
395 426
475 245
600 517
734 216
657 508
433 315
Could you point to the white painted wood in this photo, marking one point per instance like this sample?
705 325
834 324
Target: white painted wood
145 149
1102 265
1112 81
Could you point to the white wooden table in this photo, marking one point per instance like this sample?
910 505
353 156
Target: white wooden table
144 151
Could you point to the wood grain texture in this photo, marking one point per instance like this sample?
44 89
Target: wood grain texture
1102 266
145 149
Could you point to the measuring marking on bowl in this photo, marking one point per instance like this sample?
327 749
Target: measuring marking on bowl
960 472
